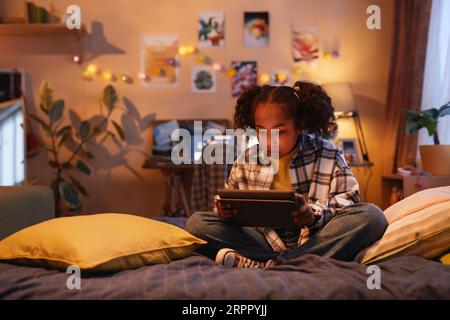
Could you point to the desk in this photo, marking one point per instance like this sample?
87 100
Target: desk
175 198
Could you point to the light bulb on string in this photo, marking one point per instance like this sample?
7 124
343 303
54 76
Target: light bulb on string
264 78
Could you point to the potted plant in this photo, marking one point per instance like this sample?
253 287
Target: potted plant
65 165
435 158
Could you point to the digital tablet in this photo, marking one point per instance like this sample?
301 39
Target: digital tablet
261 208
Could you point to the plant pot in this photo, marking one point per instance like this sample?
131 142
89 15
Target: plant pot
436 159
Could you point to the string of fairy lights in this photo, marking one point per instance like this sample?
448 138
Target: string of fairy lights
92 70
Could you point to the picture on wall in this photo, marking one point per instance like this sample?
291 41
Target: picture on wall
256 29
159 60
350 148
305 44
203 79
280 78
245 77
211 29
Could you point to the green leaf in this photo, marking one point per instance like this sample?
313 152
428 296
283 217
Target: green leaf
83 167
119 130
69 194
430 125
44 126
45 96
109 97
444 111
64 131
64 138
84 130
412 127
78 186
56 111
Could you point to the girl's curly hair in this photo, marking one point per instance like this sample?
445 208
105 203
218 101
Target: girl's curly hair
306 102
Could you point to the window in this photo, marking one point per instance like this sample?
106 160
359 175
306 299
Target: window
436 85
12 144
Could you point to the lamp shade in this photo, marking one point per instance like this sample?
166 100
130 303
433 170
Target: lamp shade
341 95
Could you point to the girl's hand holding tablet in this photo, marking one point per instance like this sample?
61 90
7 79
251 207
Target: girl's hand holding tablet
224 210
304 215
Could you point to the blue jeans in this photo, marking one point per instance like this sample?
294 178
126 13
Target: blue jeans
343 237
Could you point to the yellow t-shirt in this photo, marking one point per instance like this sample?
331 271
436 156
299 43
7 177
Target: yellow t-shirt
282 179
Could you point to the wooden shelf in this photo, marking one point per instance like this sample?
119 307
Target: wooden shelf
39 29
361 165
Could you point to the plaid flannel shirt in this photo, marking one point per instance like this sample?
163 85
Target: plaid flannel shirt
318 172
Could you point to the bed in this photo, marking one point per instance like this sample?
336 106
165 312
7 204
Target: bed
196 277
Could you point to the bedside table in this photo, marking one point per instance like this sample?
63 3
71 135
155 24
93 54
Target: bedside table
409 185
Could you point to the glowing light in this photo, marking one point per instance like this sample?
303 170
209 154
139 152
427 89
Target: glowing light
182 51
217 66
328 56
108 76
87 75
142 76
76 59
126 79
231 72
282 77
92 69
264 78
191 49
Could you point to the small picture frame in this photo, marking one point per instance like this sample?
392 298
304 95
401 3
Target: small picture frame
349 147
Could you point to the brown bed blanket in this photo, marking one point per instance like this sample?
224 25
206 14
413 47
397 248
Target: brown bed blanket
196 277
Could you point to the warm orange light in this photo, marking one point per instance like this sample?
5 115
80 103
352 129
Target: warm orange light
92 69
264 78
182 50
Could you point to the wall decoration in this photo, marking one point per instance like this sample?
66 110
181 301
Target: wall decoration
211 32
305 44
280 78
245 76
256 29
350 148
159 60
203 79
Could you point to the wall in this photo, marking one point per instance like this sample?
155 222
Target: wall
119 183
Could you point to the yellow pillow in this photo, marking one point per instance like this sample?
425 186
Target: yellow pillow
100 242
445 259
419 225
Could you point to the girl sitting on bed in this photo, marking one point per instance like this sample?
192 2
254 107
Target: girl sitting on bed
330 221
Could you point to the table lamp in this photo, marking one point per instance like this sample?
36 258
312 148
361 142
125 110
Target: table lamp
343 100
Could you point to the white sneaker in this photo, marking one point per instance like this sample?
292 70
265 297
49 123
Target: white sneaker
231 258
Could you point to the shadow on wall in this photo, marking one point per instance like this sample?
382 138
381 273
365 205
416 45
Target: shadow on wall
96 43
134 126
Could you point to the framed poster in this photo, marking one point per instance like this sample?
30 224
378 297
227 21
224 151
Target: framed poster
350 148
256 29
159 59
211 29
305 44
203 79
245 77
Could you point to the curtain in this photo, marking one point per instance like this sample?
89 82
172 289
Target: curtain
405 80
436 87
